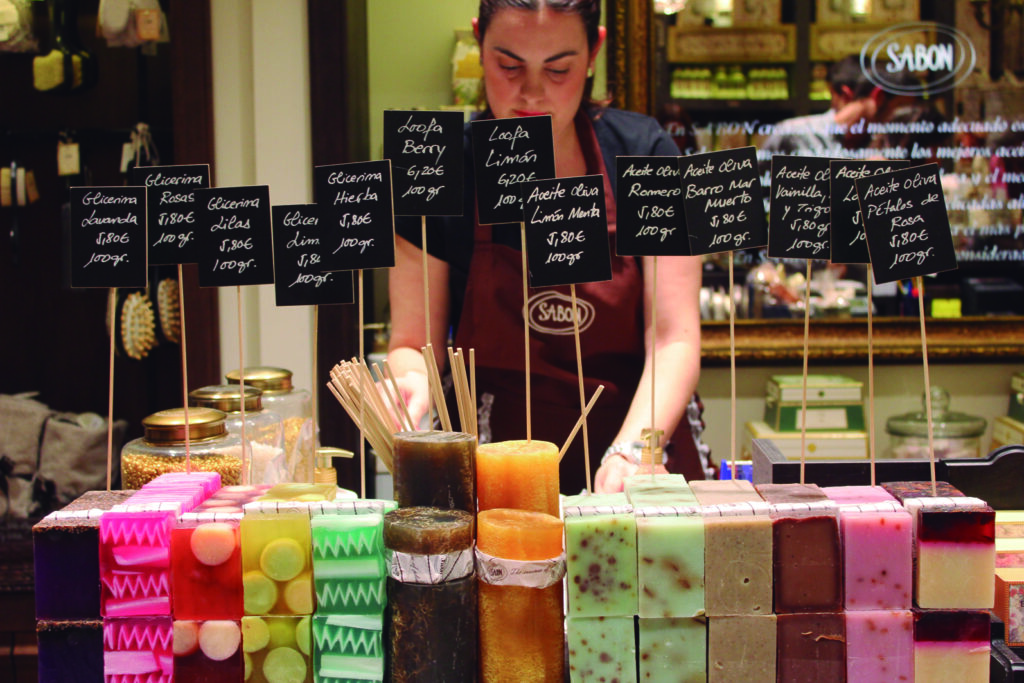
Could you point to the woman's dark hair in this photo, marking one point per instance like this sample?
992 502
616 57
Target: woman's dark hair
589 11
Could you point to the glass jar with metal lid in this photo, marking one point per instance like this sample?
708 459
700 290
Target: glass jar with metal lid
955 435
295 407
162 447
264 431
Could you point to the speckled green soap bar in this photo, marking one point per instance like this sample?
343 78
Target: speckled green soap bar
670 565
601 649
601 568
643 490
673 650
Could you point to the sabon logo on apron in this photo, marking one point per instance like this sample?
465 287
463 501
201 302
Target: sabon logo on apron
550 312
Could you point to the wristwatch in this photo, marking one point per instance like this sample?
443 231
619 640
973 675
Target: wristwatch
632 451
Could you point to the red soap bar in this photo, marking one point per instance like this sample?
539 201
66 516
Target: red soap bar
807 562
903 490
206 568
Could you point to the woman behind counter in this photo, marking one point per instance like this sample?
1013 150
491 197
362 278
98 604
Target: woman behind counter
538 58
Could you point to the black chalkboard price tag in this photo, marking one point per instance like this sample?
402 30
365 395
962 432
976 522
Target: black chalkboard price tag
172 210
848 243
356 214
235 245
798 221
507 152
723 201
650 218
298 280
566 231
427 159
108 237
906 223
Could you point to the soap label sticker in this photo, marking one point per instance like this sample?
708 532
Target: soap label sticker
507 152
650 215
848 244
427 159
234 236
906 223
357 217
172 210
799 225
723 201
108 237
566 231
298 278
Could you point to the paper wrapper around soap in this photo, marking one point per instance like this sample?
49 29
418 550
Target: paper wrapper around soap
672 650
600 544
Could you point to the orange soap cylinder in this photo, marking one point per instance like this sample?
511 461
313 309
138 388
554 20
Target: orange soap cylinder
518 474
521 632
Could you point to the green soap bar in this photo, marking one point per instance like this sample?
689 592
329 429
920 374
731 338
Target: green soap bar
601 649
351 596
662 489
337 537
348 648
594 499
259 592
284 665
670 566
676 480
601 568
673 650
738 565
668 497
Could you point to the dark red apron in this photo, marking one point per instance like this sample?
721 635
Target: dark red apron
611 341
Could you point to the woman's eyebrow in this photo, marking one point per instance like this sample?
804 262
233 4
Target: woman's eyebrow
552 58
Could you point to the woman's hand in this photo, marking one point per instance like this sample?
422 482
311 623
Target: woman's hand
612 473
415 390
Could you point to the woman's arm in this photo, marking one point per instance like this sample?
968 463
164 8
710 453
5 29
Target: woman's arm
674 354
408 321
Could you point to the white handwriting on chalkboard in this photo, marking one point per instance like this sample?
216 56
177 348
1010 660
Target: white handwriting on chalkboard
168 197
230 223
732 165
581 190
638 190
736 239
723 202
411 147
565 237
568 259
646 211
343 178
541 217
351 220
316 279
579 212
932 197
859 237
224 204
160 179
93 219
173 218
801 224
495 158
425 128
98 198
728 218
697 191
889 206
807 192
305 260
653 230
519 133
112 238
917 257
695 171
346 197
113 259
891 185
228 245
299 241
352 242
903 239
815 247
170 238
510 179
295 218
539 195
431 192
416 171
240 266
906 222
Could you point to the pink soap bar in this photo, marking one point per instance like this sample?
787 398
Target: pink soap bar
844 495
880 646
878 558
138 650
135 563
951 645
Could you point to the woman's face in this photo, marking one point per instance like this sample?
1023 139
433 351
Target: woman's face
535 62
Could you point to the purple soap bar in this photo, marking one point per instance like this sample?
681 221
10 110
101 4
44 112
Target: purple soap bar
807 560
790 493
70 651
853 495
904 490
811 648
879 556
951 645
138 650
880 646
66 539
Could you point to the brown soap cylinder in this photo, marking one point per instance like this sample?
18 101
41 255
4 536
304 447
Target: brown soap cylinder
435 469
431 627
521 633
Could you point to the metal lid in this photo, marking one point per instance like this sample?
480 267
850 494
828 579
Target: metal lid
945 423
168 426
269 380
226 398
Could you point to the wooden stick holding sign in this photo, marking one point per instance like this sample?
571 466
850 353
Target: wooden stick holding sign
567 244
849 245
507 152
799 227
108 250
171 211
724 210
236 249
908 236
427 163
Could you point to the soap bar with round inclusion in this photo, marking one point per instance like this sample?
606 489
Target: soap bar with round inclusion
277 649
951 645
672 650
518 474
880 646
348 648
601 649
207 651
206 567
348 563
600 553
741 648
670 565
435 469
276 563
521 629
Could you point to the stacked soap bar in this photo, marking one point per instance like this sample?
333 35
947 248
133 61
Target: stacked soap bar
277 649
646 490
348 648
301 492
207 651
206 566
232 498
601 579
138 650
70 651
1010 603
276 560
951 645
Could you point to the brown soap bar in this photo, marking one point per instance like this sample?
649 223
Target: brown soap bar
718 492
741 649
435 469
791 493
737 565
811 648
431 631
428 531
808 562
